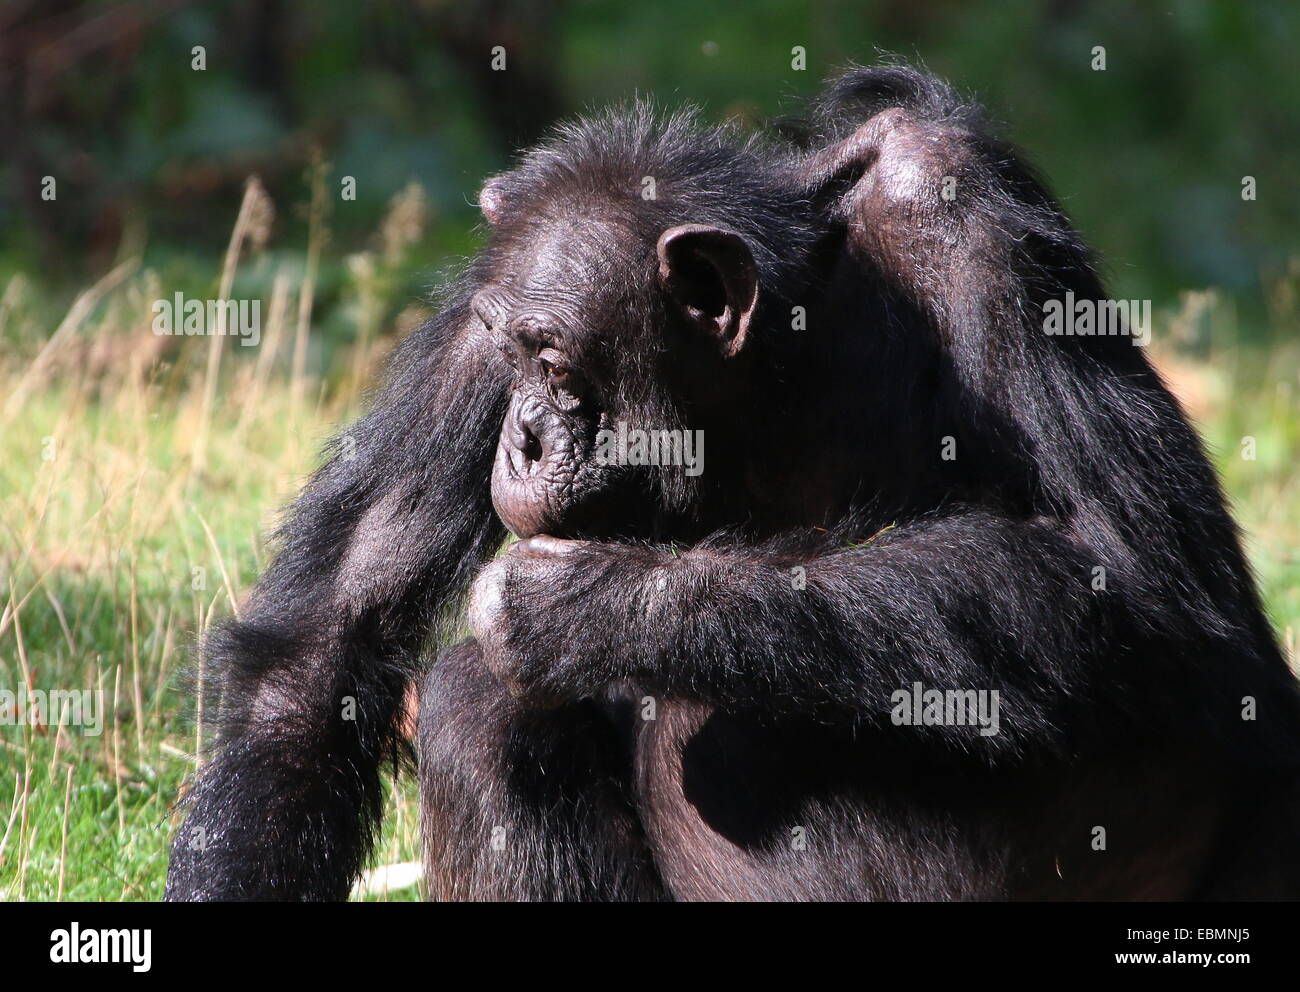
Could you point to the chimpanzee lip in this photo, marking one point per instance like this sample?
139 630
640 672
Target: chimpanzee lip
528 508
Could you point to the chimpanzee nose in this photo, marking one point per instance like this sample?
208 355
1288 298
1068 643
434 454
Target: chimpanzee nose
525 429
528 443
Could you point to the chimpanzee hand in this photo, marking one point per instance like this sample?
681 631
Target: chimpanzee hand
515 612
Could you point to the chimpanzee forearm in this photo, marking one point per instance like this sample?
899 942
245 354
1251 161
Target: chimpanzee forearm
966 602
312 674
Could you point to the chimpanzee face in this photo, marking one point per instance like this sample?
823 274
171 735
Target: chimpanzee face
546 311
574 307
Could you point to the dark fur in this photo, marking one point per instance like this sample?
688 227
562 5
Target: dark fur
1120 708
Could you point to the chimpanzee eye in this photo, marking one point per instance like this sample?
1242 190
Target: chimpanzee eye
552 367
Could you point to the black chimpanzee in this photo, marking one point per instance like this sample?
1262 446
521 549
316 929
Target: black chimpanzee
697 685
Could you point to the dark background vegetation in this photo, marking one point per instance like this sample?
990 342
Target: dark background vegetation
151 155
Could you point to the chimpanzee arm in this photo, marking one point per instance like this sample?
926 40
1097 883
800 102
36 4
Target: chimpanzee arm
312 672
970 601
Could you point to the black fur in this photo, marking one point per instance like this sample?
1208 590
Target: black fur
1121 706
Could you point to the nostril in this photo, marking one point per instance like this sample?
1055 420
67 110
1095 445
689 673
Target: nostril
532 445
527 434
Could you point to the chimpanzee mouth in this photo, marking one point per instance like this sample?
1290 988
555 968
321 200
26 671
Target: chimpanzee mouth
550 478
590 502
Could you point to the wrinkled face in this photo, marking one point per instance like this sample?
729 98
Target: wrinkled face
539 312
567 309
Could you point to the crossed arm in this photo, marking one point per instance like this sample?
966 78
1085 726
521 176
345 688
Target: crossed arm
971 601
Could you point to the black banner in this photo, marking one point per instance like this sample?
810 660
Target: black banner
231 941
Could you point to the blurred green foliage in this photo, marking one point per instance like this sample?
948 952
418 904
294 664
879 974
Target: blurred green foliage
150 154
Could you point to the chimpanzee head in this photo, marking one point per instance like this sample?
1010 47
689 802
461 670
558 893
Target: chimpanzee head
628 284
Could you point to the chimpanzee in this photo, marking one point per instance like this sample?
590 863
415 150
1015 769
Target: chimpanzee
760 679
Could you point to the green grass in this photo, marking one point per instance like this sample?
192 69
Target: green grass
132 513
115 553
110 500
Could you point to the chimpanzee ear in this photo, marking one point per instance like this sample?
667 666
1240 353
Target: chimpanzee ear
710 274
492 200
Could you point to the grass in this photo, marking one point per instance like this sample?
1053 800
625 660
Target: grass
138 474
137 479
